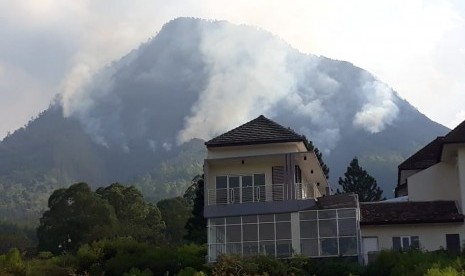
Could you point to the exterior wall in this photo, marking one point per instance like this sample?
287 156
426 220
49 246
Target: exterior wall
431 236
438 182
404 174
461 176
254 150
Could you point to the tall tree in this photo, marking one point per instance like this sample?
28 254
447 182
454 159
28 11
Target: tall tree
319 155
175 212
357 180
75 216
137 218
196 225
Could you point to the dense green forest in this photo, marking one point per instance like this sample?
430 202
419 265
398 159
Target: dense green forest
115 231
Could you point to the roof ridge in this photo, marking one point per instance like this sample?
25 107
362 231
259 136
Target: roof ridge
260 130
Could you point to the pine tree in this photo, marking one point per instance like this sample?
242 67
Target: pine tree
357 180
319 155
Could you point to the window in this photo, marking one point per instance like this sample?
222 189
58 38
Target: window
453 242
405 242
329 232
239 189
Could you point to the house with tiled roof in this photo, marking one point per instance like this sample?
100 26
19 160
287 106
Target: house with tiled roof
428 210
265 193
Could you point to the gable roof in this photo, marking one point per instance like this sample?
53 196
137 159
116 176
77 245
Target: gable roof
457 135
410 212
425 157
261 130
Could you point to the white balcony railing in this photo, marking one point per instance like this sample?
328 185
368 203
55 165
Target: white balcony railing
275 192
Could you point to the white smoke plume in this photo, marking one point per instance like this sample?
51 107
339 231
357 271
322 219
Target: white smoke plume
379 110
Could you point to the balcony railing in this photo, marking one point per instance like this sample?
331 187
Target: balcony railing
275 192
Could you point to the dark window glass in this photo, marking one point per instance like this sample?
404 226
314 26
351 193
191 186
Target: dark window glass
308 215
250 248
283 230
283 217
329 247
308 229
249 219
414 242
328 228
233 220
233 233
250 232
327 214
259 179
267 248
346 213
266 218
266 231
347 227
348 246
309 247
221 182
284 249
396 243
453 242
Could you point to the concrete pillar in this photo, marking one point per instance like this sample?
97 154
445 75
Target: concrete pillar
295 231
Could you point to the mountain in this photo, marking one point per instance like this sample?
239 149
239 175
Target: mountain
142 120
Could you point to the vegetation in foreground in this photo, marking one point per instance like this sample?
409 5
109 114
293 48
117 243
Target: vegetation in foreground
125 256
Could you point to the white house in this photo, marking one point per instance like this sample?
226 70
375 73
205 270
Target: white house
265 193
431 201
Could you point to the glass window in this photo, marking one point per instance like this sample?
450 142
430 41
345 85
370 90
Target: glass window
259 179
216 221
217 234
309 247
216 250
328 228
308 215
249 219
250 232
348 246
329 247
221 182
266 218
283 230
266 231
250 248
233 220
396 243
267 248
234 248
233 233
326 214
284 248
414 242
247 181
346 213
309 229
347 227
283 217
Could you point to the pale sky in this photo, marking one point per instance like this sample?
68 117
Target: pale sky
53 46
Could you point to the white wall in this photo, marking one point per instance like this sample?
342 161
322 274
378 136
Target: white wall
461 175
438 182
431 236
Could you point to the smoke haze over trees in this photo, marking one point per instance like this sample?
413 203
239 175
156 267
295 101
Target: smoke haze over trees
137 121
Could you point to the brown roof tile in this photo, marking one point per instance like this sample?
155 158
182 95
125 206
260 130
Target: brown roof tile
410 212
258 131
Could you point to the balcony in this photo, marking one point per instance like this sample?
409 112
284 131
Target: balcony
262 193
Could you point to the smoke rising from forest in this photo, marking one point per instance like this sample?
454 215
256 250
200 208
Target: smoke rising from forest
208 77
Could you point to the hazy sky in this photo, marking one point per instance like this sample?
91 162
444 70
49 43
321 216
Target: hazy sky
53 46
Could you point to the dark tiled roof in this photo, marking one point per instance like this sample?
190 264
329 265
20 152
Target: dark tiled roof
425 157
457 135
410 212
346 200
258 131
